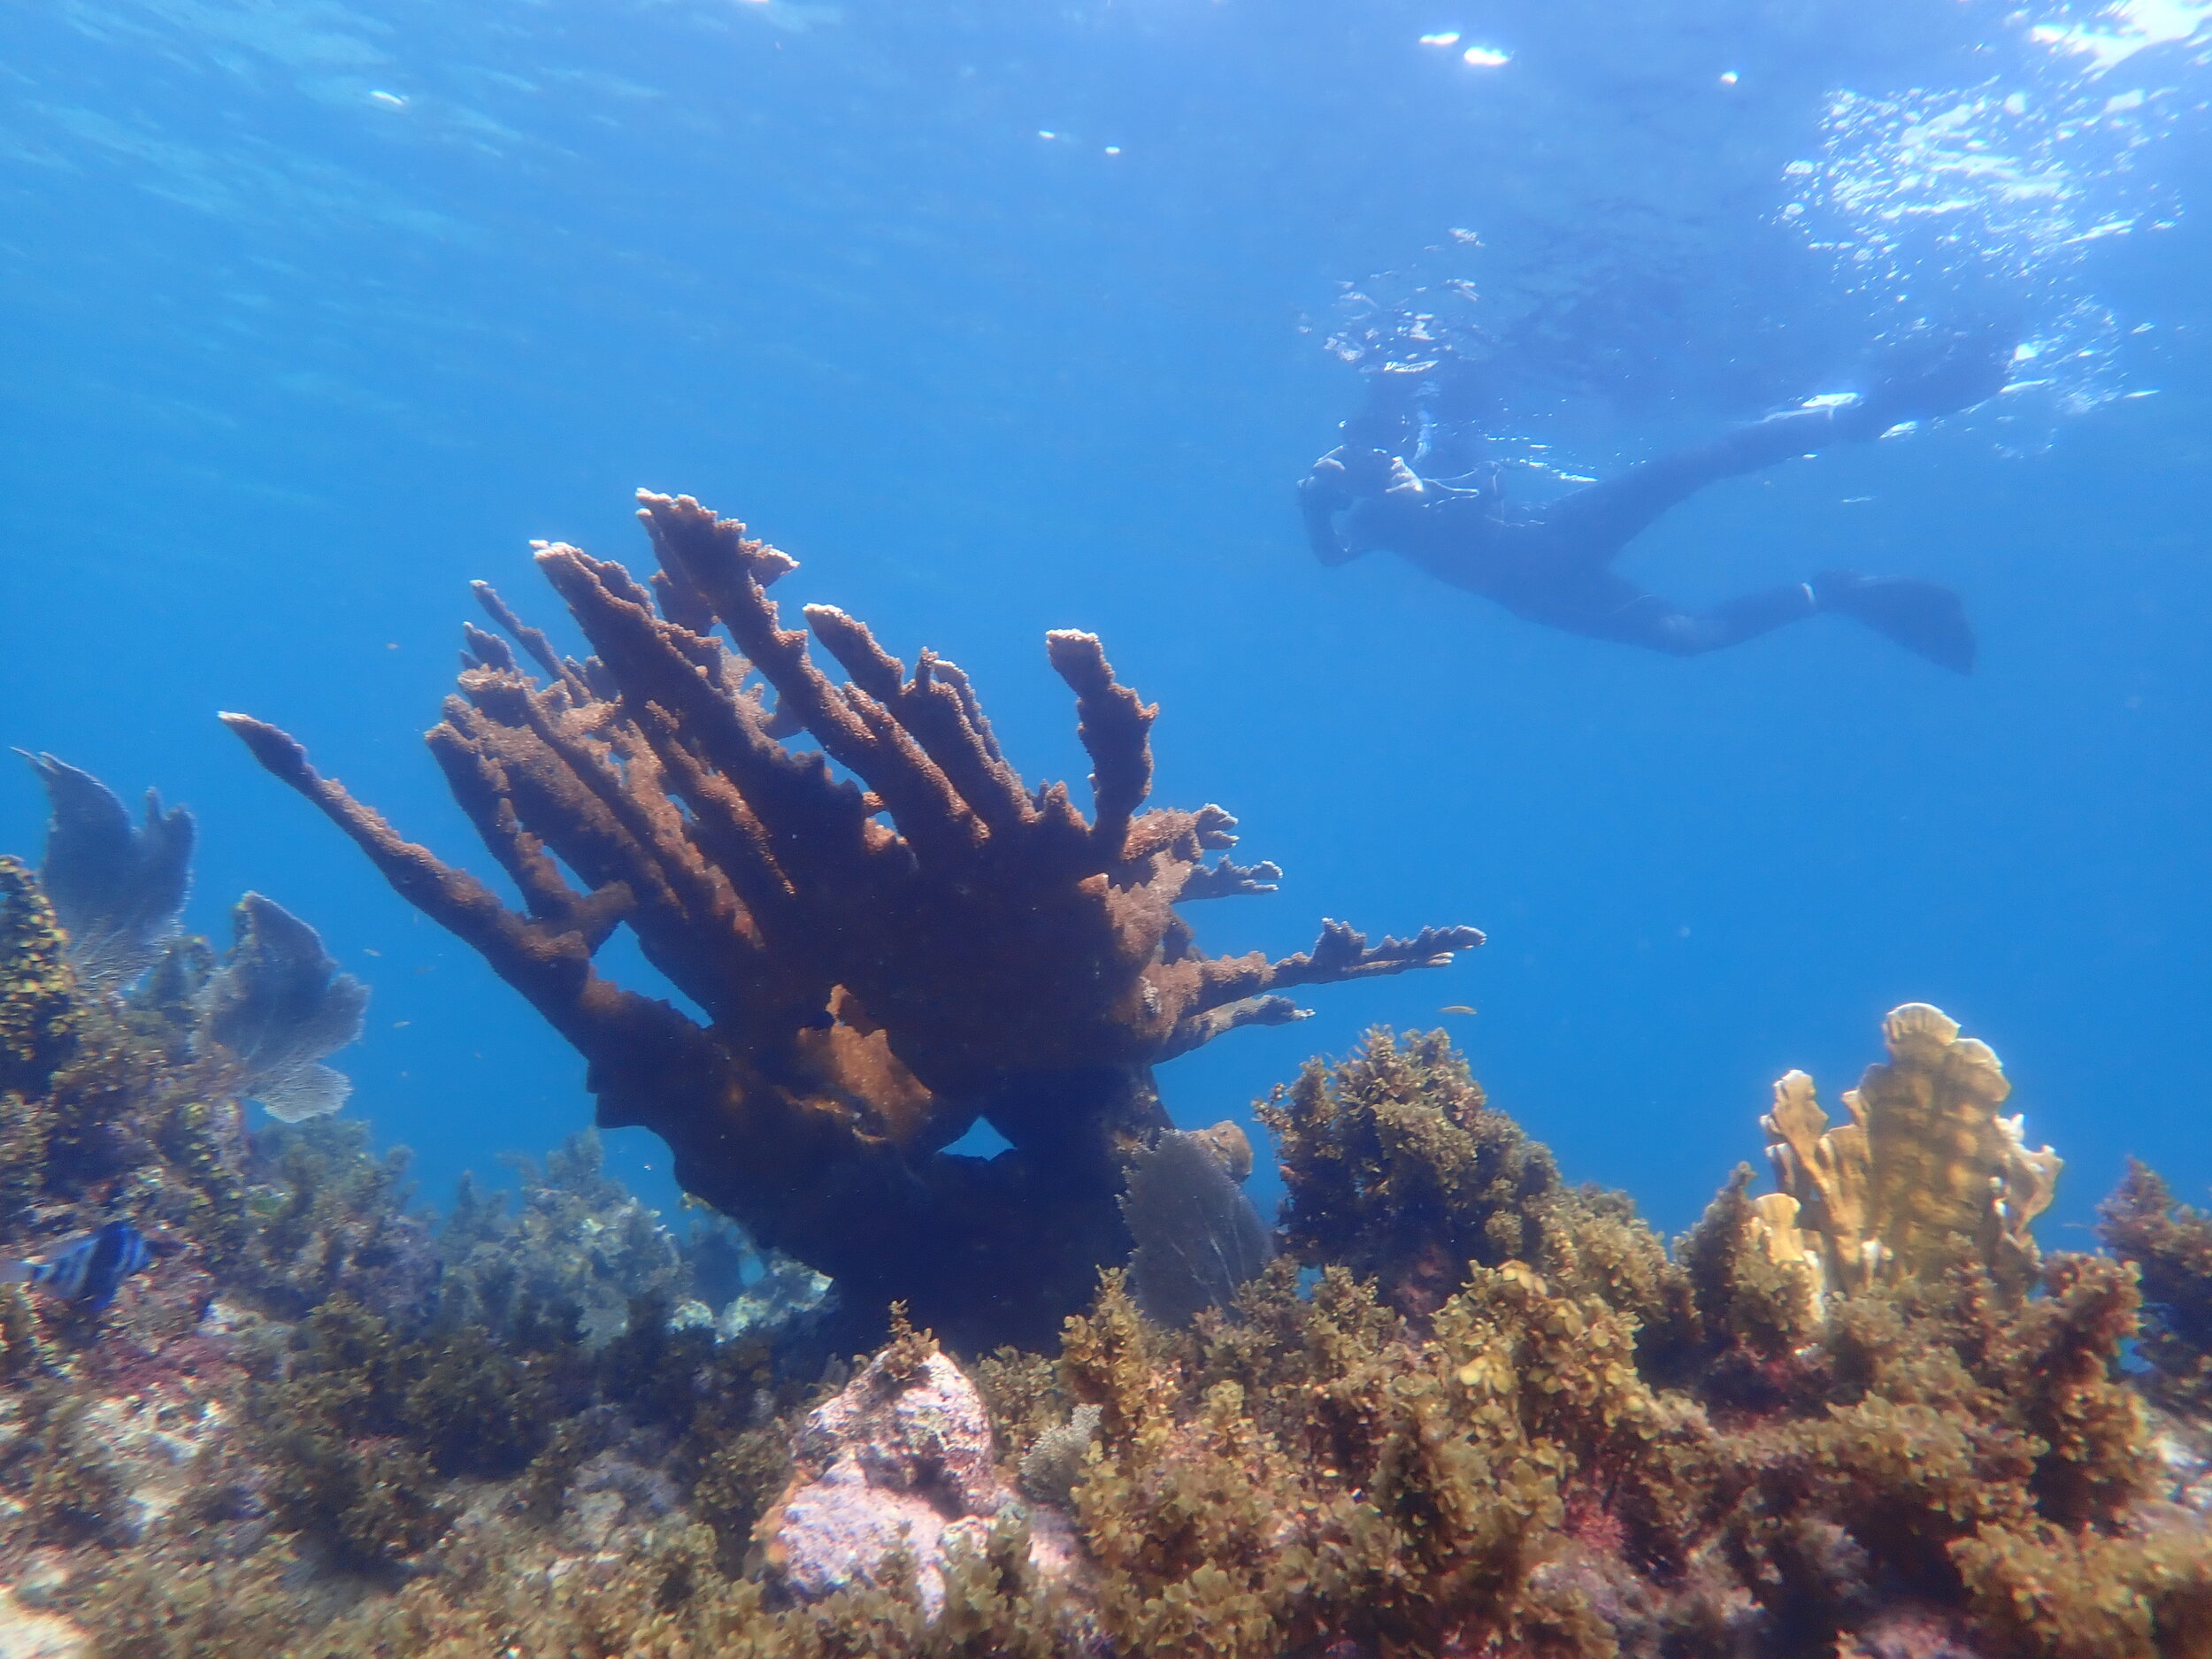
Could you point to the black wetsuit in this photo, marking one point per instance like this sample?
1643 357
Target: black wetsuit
1553 565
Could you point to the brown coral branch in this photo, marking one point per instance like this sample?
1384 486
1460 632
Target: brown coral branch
549 964
1225 879
1195 1031
879 965
1115 728
1341 953
532 640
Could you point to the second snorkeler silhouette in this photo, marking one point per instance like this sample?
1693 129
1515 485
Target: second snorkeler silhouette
1553 564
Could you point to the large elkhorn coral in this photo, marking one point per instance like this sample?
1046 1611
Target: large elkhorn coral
876 965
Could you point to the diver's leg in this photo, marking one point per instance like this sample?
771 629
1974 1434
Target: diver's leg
1600 605
1936 372
1660 624
1925 619
1595 522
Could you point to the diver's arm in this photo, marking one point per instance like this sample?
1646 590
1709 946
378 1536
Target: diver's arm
1319 501
1389 493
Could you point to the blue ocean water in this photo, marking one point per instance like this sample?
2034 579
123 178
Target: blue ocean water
1005 317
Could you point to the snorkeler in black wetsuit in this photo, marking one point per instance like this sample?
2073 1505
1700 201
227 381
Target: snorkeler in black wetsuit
1553 565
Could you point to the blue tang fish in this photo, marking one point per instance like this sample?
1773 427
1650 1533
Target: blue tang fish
89 1272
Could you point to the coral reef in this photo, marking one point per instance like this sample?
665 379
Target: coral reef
329 1218
578 1239
880 963
1470 1409
1498 1469
104 1114
301 1391
127 1051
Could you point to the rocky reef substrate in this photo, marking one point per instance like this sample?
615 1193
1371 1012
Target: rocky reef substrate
1469 1409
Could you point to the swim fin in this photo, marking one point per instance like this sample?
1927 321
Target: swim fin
1926 619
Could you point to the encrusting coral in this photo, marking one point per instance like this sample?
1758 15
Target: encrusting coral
880 963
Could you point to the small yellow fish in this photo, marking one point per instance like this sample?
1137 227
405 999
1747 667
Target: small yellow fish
1455 1008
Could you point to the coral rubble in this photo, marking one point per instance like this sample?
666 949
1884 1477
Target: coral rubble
879 964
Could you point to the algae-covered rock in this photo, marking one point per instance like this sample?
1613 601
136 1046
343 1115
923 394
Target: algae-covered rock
1397 1169
38 1032
1754 1287
332 1217
2170 1245
895 1477
37 1010
577 1239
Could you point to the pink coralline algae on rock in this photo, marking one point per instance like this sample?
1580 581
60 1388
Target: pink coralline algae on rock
901 1459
